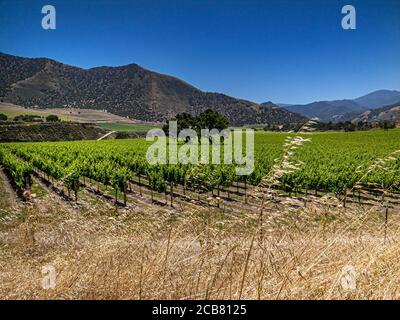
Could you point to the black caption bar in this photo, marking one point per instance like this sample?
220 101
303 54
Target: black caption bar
184 309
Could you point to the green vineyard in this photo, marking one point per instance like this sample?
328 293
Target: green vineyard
330 162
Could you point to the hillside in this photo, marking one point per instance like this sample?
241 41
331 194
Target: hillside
327 110
128 91
379 98
63 131
68 114
346 109
387 113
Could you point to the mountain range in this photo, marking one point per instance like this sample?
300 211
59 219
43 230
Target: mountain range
387 113
349 109
129 91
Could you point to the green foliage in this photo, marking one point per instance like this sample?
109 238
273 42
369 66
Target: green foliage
19 170
207 119
119 178
28 118
156 181
331 162
127 127
210 119
3 117
52 118
346 126
71 178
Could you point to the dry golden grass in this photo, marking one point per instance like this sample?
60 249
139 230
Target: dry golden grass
296 253
287 250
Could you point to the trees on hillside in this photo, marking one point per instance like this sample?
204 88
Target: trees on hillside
28 118
346 126
208 119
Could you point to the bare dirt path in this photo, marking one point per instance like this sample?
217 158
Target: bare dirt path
106 135
9 197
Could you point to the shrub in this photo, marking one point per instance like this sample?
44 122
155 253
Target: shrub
28 118
52 118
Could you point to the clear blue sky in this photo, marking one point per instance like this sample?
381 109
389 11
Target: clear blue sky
285 51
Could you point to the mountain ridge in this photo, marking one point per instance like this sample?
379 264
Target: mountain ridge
129 91
379 98
346 109
385 113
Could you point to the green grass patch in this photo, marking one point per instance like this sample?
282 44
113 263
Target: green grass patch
126 127
12 114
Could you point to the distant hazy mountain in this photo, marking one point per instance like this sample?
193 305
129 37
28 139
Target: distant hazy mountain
327 110
126 91
284 105
346 110
378 99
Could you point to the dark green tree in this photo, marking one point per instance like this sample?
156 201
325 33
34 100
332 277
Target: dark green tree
52 118
210 119
184 121
207 119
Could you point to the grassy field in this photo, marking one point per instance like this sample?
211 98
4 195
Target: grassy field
151 252
66 114
11 114
289 247
126 127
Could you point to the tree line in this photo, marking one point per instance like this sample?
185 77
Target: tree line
30 118
346 126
